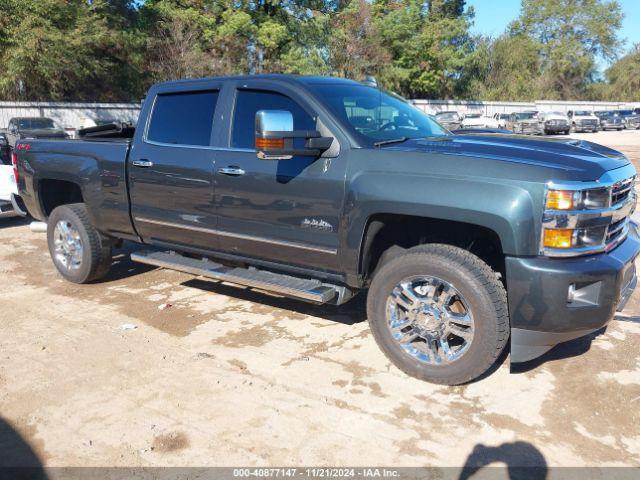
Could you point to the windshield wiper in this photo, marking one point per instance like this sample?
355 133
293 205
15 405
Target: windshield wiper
393 140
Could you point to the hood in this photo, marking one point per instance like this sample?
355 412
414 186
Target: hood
43 133
587 160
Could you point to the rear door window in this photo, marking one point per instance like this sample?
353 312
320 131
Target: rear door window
184 118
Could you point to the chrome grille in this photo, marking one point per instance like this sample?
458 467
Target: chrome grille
605 227
621 191
615 230
588 122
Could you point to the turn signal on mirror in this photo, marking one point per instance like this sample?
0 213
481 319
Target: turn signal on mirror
270 143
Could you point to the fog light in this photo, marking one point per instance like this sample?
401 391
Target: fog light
558 238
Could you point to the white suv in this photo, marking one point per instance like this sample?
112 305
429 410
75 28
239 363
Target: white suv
583 121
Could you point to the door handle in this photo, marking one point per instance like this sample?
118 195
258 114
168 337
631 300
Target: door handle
142 163
233 171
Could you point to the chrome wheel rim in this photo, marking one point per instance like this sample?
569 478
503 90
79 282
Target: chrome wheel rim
67 245
430 320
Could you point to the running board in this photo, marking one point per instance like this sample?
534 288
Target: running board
309 290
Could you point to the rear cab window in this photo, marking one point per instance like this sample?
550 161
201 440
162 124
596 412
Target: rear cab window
183 118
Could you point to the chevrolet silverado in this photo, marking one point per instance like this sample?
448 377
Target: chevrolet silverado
321 188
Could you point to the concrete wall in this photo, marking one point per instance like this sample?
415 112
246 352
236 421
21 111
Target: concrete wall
489 108
71 116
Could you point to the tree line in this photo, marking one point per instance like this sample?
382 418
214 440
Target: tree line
112 50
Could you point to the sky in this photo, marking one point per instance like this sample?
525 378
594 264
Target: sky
493 16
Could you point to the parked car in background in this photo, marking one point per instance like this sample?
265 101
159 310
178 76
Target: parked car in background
449 120
480 131
22 128
554 122
501 120
630 118
584 121
632 122
526 123
5 149
611 121
476 120
10 203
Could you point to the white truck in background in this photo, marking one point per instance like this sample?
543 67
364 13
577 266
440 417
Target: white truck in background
10 203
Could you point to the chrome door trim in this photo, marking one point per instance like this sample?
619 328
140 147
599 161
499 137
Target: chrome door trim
284 243
232 171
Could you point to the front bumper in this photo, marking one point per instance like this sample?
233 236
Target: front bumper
552 300
586 127
556 128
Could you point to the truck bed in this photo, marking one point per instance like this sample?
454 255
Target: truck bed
97 165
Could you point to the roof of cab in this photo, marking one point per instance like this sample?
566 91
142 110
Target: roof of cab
305 79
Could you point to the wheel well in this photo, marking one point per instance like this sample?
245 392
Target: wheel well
54 193
404 231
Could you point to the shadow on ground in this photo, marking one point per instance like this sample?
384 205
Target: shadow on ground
572 348
523 461
11 222
17 458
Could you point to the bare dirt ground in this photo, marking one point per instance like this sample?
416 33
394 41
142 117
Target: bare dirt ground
227 376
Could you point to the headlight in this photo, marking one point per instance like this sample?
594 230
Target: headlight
573 238
577 199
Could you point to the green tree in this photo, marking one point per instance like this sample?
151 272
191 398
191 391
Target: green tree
55 50
503 69
571 35
355 47
623 78
429 43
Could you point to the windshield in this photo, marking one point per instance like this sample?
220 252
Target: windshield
625 112
473 115
527 115
447 116
376 115
35 123
583 113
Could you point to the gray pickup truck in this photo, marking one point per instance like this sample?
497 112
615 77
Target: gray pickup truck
320 188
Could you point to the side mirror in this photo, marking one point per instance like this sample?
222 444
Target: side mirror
275 137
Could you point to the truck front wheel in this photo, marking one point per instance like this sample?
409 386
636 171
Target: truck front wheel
80 253
439 313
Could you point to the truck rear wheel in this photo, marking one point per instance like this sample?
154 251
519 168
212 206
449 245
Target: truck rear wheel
439 313
80 253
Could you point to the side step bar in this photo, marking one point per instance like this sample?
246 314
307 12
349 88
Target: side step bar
309 290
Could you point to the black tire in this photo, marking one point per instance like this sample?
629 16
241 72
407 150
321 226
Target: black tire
96 248
476 282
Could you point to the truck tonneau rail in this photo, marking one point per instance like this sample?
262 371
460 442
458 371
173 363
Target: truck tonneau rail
110 130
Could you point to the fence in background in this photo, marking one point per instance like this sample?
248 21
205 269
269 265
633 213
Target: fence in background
71 116
489 108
